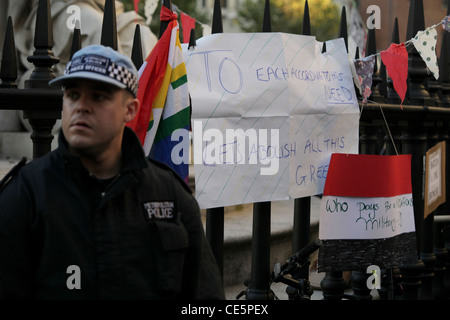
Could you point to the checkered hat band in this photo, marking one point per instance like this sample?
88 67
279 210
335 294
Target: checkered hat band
125 76
104 66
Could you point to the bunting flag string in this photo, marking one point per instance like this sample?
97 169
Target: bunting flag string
395 58
187 23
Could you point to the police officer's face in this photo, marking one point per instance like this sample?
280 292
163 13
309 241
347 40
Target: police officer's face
94 115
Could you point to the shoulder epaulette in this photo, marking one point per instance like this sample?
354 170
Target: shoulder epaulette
10 175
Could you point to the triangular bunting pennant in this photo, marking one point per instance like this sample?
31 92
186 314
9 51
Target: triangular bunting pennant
354 74
396 61
364 69
187 23
446 23
425 43
136 5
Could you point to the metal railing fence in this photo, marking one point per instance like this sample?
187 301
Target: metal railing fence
423 121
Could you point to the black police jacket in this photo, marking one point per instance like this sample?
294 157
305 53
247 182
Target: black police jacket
66 235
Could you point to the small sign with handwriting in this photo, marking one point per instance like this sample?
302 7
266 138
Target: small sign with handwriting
434 178
367 214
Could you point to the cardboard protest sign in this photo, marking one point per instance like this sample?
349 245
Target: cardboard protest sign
434 178
366 215
268 109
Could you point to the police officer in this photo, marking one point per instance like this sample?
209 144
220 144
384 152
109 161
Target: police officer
96 219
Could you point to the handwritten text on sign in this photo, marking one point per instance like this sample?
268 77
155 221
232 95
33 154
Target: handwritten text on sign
367 218
367 197
435 178
276 82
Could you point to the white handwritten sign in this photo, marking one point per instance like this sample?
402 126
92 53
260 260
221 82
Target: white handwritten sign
367 197
292 105
434 178
367 214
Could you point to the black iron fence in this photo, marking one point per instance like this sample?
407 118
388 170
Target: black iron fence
423 121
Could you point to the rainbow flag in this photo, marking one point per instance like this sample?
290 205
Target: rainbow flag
165 104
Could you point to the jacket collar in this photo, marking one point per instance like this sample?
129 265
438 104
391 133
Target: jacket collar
133 157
